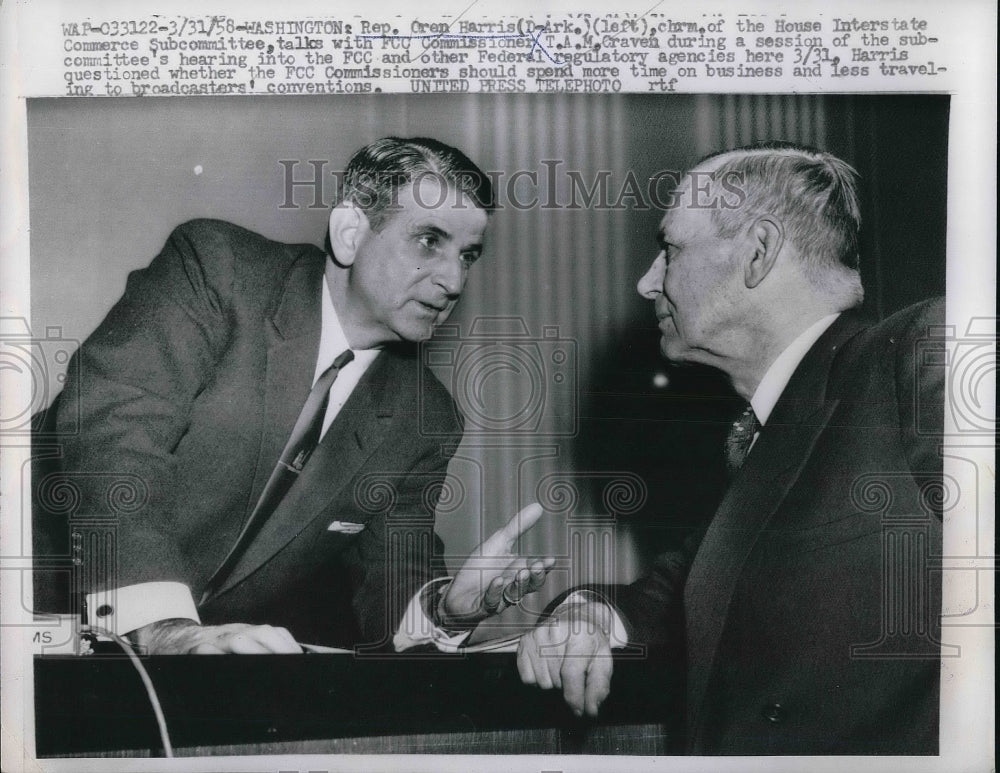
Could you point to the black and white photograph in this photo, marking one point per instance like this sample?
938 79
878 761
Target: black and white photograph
532 430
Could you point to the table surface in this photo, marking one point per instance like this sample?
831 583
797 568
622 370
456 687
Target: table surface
313 703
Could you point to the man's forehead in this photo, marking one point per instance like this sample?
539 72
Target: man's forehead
697 177
689 197
683 218
433 196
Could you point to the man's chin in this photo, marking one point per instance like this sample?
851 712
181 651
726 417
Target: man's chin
673 350
415 332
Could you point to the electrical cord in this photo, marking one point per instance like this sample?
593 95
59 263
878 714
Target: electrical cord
161 721
507 644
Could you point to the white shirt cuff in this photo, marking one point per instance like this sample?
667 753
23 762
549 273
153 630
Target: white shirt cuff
416 628
618 634
126 609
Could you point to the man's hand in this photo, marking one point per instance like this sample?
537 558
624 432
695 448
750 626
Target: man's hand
493 577
186 637
571 651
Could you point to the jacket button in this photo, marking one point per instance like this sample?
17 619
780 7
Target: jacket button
773 713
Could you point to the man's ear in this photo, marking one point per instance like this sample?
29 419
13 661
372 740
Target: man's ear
767 237
348 225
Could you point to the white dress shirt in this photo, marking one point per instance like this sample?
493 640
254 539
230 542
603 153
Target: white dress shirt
135 606
332 343
764 398
776 377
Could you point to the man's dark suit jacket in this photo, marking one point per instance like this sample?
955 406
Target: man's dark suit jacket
807 615
175 414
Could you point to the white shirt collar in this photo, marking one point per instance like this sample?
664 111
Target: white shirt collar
333 341
778 374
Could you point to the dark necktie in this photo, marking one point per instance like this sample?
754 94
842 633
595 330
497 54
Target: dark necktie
301 443
740 439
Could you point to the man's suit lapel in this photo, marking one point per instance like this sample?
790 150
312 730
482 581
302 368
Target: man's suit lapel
355 434
781 452
292 334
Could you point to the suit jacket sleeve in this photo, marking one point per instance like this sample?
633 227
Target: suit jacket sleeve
652 607
139 373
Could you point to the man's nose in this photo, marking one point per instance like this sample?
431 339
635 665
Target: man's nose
450 275
651 284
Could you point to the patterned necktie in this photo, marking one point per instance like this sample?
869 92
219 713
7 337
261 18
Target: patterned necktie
301 443
740 439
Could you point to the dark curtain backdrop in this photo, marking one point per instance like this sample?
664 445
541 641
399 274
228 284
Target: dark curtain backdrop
623 451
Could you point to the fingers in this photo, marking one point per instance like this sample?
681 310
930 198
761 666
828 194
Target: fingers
244 643
574 680
502 540
206 649
504 591
586 673
511 591
537 573
577 662
243 639
532 664
524 667
518 587
539 570
520 523
275 639
492 578
598 679
527 580
494 595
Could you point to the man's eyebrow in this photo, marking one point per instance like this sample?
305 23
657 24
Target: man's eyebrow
423 228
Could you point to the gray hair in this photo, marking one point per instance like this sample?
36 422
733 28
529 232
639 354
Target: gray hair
812 192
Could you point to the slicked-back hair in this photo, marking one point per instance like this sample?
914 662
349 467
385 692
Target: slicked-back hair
813 193
377 172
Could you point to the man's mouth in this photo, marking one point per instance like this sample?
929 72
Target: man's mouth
433 308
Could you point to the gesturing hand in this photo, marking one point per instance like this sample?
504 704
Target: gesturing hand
571 651
493 577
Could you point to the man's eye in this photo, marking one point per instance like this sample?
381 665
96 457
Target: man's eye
429 241
470 257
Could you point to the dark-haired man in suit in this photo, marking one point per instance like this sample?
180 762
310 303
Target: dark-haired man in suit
263 402
804 617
